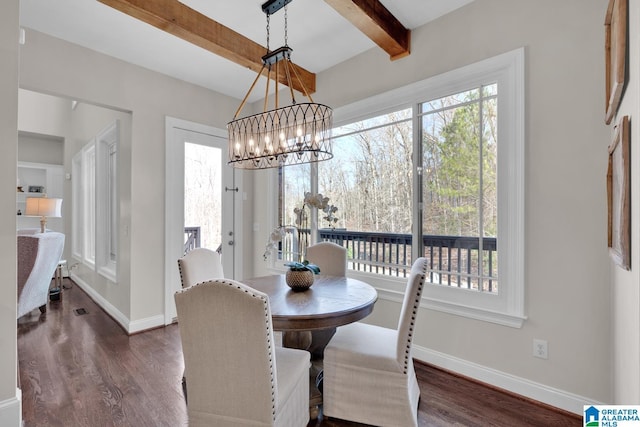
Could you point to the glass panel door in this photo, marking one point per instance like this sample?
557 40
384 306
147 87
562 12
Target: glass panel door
200 205
202 197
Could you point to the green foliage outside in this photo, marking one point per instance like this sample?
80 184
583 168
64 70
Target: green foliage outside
453 197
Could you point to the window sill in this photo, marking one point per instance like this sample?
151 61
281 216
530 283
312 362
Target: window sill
505 319
393 290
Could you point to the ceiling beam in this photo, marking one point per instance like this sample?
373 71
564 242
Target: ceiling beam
190 25
375 20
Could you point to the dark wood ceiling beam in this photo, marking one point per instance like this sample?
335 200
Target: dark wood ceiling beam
190 25
375 20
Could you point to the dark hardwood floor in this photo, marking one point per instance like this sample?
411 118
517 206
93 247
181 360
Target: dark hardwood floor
80 370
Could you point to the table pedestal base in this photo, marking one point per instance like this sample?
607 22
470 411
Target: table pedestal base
315 393
297 339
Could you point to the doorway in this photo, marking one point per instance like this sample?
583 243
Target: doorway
202 203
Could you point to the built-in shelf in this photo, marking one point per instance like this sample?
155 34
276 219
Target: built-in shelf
50 179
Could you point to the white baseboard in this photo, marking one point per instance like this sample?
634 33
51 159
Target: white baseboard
147 323
558 398
129 326
11 411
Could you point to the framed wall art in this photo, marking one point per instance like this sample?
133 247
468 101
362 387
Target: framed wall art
618 196
615 49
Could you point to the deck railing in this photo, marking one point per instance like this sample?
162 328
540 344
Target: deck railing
191 238
457 261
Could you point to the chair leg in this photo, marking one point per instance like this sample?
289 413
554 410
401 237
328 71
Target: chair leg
43 308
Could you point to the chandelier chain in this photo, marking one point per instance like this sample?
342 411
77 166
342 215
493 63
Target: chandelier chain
268 28
286 43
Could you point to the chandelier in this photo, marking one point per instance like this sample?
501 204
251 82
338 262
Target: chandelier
295 134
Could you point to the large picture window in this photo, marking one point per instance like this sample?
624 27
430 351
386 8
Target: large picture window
440 175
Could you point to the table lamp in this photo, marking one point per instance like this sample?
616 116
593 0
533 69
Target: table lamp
43 207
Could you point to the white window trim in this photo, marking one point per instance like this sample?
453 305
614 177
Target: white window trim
507 70
106 141
87 186
76 206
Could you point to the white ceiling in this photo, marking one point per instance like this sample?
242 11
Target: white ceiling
319 36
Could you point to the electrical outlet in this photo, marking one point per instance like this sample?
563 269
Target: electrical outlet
540 349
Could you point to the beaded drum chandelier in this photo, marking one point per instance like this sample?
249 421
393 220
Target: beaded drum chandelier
295 134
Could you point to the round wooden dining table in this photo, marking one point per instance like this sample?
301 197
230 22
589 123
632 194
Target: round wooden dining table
330 302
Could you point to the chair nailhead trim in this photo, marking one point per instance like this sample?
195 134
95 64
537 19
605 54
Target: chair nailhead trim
181 274
416 306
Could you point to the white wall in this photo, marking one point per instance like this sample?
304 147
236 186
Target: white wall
10 408
626 284
43 114
36 148
567 265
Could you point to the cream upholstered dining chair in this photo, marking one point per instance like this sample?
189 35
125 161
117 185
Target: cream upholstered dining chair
237 376
368 370
198 265
330 257
38 258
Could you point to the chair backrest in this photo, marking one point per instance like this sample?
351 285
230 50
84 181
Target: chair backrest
410 305
38 257
330 257
199 265
227 343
